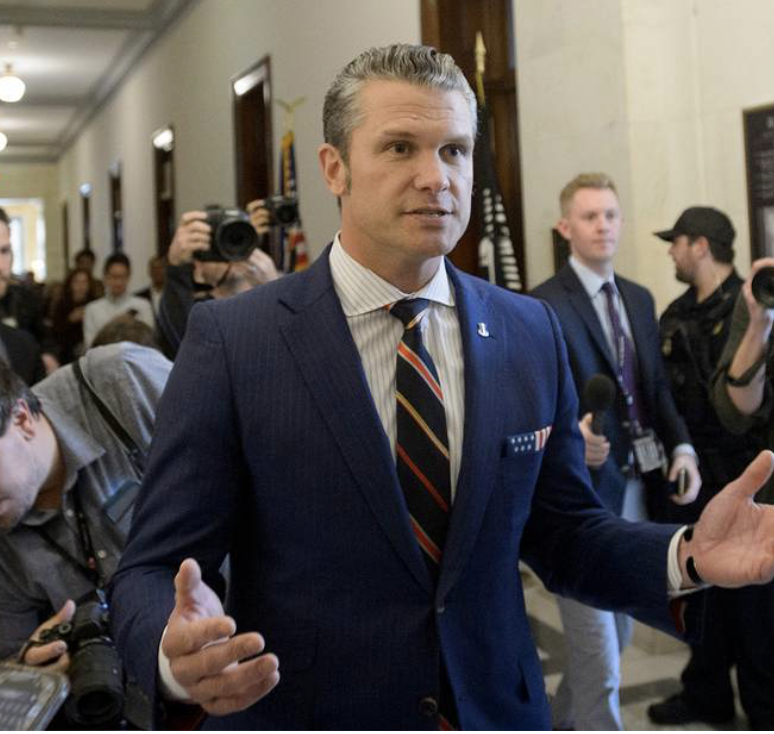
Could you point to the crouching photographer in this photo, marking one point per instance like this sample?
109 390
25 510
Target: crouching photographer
215 253
71 456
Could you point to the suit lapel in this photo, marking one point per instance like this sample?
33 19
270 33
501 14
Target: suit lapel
319 339
484 359
582 304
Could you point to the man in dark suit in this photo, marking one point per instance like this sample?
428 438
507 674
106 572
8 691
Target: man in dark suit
157 270
21 352
372 540
609 324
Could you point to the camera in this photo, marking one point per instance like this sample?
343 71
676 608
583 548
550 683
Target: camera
283 210
233 236
96 675
763 287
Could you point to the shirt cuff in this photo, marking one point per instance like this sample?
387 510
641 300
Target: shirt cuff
685 448
674 574
170 689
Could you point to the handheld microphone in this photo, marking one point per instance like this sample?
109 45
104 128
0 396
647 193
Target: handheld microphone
598 397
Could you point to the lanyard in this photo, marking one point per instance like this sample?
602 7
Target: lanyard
90 568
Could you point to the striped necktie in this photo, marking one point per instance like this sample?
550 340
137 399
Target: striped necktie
422 450
422 445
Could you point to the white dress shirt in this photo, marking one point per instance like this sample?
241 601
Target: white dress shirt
377 333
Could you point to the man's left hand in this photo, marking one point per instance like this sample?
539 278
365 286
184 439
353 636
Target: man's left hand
687 462
52 655
733 541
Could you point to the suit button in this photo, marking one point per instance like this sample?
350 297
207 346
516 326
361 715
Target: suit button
428 706
440 609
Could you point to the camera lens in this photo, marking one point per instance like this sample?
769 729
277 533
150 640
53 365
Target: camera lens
96 684
763 287
236 239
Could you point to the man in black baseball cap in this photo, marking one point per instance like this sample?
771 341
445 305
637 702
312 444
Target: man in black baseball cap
694 331
702 221
702 249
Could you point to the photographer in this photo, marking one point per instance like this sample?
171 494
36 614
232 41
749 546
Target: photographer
744 401
67 487
742 390
192 275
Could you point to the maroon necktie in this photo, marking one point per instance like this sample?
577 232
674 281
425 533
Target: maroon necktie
623 351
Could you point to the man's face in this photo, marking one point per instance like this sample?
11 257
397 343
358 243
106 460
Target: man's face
682 253
593 225
410 174
22 473
6 257
116 280
84 262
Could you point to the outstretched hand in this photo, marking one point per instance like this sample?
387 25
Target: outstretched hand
217 668
733 541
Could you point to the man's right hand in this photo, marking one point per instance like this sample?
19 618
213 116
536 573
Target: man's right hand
192 234
206 656
53 655
597 446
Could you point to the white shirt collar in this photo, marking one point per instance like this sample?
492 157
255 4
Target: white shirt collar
361 291
592 282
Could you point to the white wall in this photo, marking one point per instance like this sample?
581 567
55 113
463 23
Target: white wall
38 181
185 80
651 91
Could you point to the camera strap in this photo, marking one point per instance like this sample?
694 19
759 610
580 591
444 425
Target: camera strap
133 452
90 567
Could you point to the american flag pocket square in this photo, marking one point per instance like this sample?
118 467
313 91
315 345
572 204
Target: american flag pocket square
526 443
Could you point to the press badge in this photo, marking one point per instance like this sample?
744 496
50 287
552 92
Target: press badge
648 452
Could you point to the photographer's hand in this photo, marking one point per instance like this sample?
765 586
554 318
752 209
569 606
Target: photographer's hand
748 397
206 656
259 216
54 654
192 234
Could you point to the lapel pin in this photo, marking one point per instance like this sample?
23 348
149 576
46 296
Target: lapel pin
482 330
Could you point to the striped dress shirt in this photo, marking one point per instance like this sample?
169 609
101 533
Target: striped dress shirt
377 333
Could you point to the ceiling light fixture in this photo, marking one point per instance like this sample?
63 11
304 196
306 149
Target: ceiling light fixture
11 87
3 141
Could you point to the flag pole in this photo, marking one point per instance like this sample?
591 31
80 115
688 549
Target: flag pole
480 68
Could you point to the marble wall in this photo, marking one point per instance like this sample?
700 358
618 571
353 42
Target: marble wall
651 91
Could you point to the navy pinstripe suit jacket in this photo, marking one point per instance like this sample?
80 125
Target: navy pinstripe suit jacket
268 448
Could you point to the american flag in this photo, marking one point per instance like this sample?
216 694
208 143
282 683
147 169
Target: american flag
293 242
497 261
526 443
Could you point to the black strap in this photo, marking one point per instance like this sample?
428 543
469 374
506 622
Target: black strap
91 567
135 455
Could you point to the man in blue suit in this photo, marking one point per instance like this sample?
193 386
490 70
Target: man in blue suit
601 312
282 443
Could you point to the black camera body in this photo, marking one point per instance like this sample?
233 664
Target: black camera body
233 236
95 671
763 287
283 210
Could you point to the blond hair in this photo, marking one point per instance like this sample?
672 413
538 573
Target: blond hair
584 181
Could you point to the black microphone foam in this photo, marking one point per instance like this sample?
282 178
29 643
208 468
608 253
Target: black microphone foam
598 397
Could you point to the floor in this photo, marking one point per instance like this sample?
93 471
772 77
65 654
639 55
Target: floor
651 665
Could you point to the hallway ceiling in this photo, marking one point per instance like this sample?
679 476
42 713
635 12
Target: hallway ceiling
71 54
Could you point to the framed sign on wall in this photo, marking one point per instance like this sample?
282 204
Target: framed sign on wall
759 162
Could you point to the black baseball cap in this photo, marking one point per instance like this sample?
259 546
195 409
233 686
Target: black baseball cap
702 221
